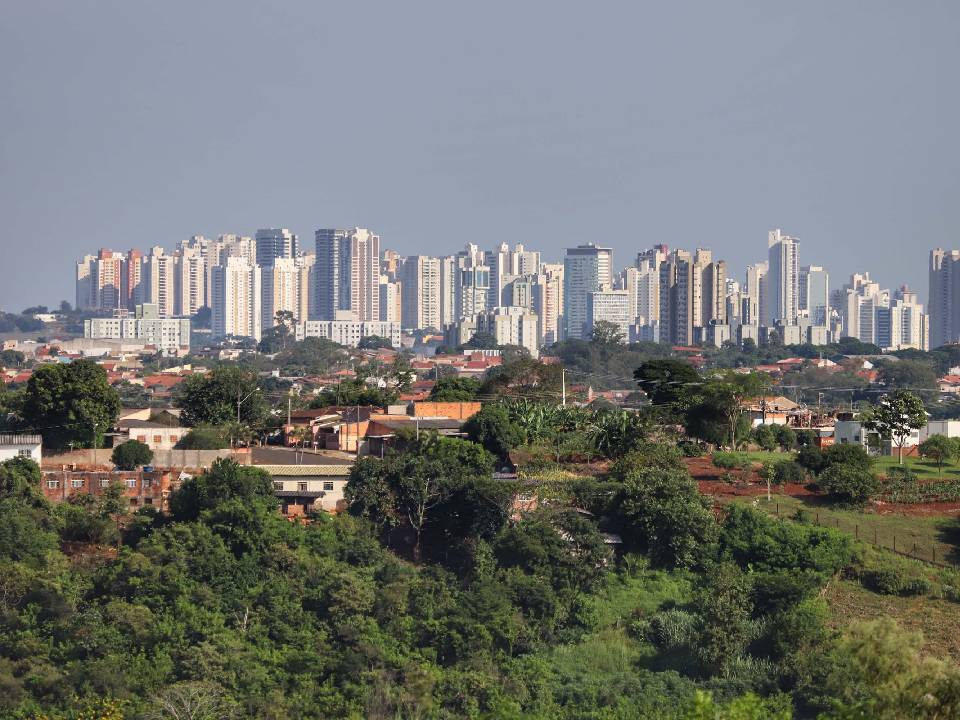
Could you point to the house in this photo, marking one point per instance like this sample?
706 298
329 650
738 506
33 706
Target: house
852 432
154 435
140 487
304 488
770 411
29 446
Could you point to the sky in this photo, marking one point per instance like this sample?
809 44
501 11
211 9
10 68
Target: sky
696 124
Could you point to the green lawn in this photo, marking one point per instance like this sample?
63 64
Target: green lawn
931 538
923 468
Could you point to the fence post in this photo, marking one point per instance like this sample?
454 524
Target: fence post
818 518
856 532
894 543
934 554
874 536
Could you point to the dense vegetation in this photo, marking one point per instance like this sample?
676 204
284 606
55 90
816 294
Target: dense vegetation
432 599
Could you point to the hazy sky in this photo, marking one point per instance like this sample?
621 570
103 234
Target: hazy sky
133 123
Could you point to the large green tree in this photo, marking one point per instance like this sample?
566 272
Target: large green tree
493 429
227 394
431 483
70 405
666 380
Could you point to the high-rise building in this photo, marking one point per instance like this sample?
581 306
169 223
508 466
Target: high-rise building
347 274
547 290
133 280
676 299
754 294
159 281
783 279
511 326
190 280
586 269
280 287
611 306
643 286
449 271
84 282
814 296
274 243
944 300
100 281
237 296
420 281
391 298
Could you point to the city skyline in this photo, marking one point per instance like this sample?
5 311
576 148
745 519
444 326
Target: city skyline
565 126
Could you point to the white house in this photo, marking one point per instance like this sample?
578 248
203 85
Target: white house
30 446
156 436
301 488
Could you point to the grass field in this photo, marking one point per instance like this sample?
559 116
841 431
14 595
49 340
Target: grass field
937 619
926 469
930 538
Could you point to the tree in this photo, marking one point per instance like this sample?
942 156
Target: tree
938 448
430 482
716 409
131 455
11 358
280 335
204 437
481 341
663 513
227 394
492 428
666 381
607 333
850 484
374 342
70 405
454 389
895 416
192 700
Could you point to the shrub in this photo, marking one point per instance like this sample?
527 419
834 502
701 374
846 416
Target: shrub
891 580
688 448
785 436
788 471
855 455
849 484
812 458
131 455
671 629
728 460
753 538
765 437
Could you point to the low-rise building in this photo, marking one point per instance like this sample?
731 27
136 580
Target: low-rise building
169 335
301 489
140 487
154 435
349 332
28 446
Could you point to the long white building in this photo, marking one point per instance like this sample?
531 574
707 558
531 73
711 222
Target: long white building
169 335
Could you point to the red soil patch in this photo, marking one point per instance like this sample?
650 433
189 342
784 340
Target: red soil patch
746 483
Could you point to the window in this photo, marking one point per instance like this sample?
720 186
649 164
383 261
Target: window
158 439
277 485
131 482
174 439
147 482
53 484
302 486
328 485
141 438
133 502
24 453
76 483
148 501
104 482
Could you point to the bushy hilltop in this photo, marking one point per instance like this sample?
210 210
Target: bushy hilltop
431 599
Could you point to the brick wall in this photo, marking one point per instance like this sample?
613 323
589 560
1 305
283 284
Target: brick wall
456 410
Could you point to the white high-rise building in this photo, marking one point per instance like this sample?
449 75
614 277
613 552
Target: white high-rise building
815 293
281 288
160 281
586 269
511 326
190 282
237 293
547 302
420 280
612 306
755 294
783 279
391 297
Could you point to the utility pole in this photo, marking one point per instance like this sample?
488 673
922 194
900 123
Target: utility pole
563 386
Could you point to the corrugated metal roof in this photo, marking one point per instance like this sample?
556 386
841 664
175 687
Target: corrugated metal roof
20 439
306 470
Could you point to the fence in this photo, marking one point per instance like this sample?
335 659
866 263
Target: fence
161 458
900 542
